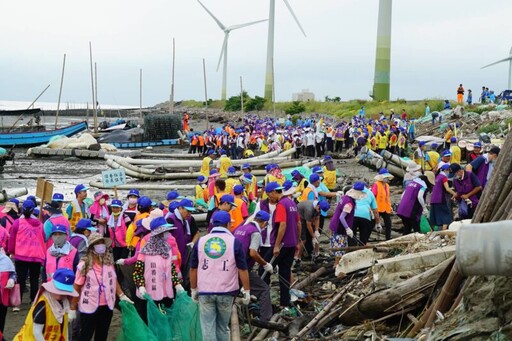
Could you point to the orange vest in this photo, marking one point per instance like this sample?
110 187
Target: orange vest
236 214
383 199
201 140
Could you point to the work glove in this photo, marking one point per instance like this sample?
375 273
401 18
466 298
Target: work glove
268 268
190 245
315 241
120 261
247 297
71 315
378 228
425 212
350 233
317 234
125 298
10 284
179 289
141 292
194 295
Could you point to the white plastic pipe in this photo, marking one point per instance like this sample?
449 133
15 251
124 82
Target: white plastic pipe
485 249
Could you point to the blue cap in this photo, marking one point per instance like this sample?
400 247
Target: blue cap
231 171
144 201
228 198
317 169
85 224
80 188
270 166
221 218
211 151
58 229
15 201
477 144
314 178
172 195
287 185
174 205
134 192
262 215
358 186
295 173
327 158
58 197
33 198
29 205
246 166
116 203
214 172
222 152
248 176
453 139
159 222
447 153
187 204
63 279
383 171
201 179
422 143
273 186
324 207
434 145
238 189
445 166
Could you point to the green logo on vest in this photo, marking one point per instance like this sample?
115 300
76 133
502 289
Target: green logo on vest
215 247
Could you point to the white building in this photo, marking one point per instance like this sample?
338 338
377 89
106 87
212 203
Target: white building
304 96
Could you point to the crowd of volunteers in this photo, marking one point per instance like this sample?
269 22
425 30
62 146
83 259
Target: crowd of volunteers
71 254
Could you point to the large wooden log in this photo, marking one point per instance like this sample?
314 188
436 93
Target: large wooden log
263 333
501 203
394 158
146 186
310 279
492 190
404 294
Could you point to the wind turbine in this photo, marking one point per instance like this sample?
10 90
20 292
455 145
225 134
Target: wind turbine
269 73
509 60
383 53
224 50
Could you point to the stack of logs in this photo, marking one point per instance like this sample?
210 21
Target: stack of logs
386 159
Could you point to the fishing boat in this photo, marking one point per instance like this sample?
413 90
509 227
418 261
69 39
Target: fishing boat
37 137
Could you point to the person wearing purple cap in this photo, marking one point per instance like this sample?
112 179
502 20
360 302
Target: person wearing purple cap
130 207
201 190
434 157
239 213
207 163
412 204
440 207
143 209
252 187
232 180
471 155
78 208
468 187
421 156
117 226
60 255
224 164
249 235
310 192
27 247
309 212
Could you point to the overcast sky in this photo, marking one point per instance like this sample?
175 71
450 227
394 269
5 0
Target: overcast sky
436 45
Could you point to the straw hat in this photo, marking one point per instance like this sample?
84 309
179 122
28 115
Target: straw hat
412 167
10 206
156 213
95 238
431 177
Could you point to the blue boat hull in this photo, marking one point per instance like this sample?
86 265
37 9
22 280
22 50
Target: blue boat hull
34 138
123 145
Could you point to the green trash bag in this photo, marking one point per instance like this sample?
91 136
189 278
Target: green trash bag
158 321
425 225
133 328
184 319
252 208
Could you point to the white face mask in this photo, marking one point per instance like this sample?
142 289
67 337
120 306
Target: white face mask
132 201
100 249
59 240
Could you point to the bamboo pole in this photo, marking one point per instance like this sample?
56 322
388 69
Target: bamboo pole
60 91
96 96
171 98
31 104
205 96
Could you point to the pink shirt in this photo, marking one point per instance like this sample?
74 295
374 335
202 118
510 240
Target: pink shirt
80 280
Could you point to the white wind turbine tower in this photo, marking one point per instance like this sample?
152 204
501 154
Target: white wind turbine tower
269 73
224 51
509 60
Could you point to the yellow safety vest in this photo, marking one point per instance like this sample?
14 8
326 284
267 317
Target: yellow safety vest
130 239
455 154
230 184
53 330
205 166
225 163
329 178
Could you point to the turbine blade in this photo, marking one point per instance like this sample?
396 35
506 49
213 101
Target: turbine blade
224 45
235 27
222 27
294 16
499 61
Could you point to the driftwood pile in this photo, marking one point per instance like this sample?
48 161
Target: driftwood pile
377 289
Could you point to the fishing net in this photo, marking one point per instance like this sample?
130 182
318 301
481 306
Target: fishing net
158 322
133 328
184 319
161 127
